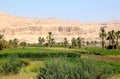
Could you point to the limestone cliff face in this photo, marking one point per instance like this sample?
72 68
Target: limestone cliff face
27 29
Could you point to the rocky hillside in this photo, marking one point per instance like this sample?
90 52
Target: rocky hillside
28 29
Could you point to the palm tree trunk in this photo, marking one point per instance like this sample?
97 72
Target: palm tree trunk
102 42
117 43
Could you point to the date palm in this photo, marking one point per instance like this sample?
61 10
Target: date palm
73 42
65 42
41 40
111 37
79 39
15 42
102 35
117 34
50 39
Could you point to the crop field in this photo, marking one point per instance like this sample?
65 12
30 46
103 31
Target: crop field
68 63
99 51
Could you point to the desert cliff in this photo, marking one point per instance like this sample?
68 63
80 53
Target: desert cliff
29 29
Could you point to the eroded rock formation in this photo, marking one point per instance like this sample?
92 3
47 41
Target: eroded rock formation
28 29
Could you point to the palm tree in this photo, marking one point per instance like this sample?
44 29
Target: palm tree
10 42
79 39
15 42
41 40
50 39
111 37
73 42
65 42
117 34
102 35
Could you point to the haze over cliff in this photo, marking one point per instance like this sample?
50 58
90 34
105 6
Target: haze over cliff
29 29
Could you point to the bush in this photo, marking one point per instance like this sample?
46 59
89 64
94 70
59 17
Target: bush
79 69
25 62
3 44
23 44
11 66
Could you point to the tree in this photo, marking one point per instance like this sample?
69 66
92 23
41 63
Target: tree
50 39
23 44
41 40
73 42
15 42
117 34
87 43
79 39
111 37
65 42
3 43
102 35
10 42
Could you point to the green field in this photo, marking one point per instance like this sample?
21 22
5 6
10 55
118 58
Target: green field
62 60
99 51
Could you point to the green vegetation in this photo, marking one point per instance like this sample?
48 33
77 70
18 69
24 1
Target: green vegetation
3 43
102 35
23 44
51 60
73 42
79 39
11 65
99 51
38 53
60 68
65 41
116 67
41 40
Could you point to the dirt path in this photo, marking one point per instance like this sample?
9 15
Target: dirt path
99 57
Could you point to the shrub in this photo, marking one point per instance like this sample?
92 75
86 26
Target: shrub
11 66
23 44
79 69
25 62
3 44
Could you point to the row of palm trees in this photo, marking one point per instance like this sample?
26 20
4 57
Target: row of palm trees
50 41
111 36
